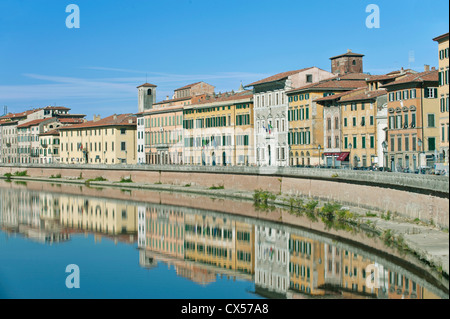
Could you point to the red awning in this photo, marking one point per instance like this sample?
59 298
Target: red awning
343 156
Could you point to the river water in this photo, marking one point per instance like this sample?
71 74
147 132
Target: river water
64 241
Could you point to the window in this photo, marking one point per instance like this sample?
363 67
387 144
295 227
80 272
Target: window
354 121
122 131
431 144
363 144
345 122
309 78
399 146
430 93
372 141
431 122
371 120
412 93
336 123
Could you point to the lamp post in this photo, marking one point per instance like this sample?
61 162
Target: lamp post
420 143
384 145
319 148
350 156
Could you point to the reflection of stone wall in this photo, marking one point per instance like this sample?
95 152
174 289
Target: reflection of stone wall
411 205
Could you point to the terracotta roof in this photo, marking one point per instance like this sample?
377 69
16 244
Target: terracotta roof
34 122
331 84
18 115
56 108
277 77
8 122
187 86
349 53
338 96
428 76
52 132
173 100
225 97
70 120
113 120
161 110
366 95
441 37
146 85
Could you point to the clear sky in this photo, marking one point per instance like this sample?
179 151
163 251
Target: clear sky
120 44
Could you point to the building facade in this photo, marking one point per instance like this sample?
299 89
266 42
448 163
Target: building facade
271 113
443 95
218 130
309 135
111 140
413 113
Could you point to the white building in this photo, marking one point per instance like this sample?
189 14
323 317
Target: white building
271 113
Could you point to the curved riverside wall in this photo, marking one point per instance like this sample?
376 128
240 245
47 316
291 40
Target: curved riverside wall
414 196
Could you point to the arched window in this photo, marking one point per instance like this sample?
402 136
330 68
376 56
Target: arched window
149 92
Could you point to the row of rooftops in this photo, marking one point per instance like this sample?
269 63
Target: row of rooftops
347 82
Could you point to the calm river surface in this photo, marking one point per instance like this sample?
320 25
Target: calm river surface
136 244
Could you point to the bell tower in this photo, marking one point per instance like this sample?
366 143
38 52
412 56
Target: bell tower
146 96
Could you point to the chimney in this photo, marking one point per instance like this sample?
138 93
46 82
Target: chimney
97 118
433 68
114 117
427 68
349 51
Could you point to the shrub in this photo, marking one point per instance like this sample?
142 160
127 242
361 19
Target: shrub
23 173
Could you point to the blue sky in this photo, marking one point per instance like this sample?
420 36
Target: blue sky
95 69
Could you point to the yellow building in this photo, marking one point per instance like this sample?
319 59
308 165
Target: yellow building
359 127
443 96
305 117
413 113
111 140
218 130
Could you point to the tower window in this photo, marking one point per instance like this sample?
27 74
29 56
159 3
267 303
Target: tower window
149 92
354 62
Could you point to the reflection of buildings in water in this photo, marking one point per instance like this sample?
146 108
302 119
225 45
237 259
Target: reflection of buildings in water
332 261
354 274
31 214
164 228
306 265
101 216
272 260
401 287
142 229
199 246
210 240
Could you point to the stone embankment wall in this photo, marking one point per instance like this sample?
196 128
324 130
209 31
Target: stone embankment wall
413 196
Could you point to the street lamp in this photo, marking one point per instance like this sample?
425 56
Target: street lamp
350 156
420 143
319 148
384 145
